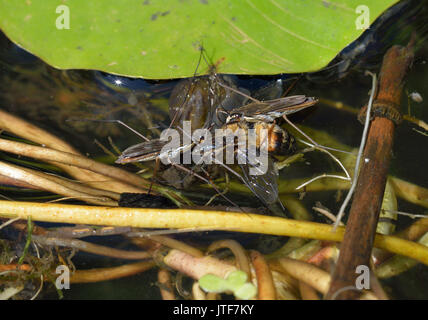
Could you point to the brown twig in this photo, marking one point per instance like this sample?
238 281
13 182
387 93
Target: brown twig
360 231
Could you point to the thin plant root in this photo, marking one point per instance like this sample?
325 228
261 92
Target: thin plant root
104 274
308 273
197 267
92 248
312 275
107 177
197 292
238 251
15 267
166 289
307 292
44 182
265 286
77 186
410 192
31 132
341 106
170 243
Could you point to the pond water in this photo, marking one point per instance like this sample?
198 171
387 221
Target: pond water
62 102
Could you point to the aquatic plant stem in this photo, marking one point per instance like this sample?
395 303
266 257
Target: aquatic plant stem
43 181
311 275
92 248
124 181
241 258
165 285
33 133
265 285
186 218
356 248
104 274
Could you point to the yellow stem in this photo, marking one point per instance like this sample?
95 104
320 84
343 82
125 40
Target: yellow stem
185 218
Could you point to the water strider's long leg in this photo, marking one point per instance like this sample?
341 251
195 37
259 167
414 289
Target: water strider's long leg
155 170
226 190
114 121
208 182
238 92
292 86
315 145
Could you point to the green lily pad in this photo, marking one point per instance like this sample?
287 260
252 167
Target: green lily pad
160 39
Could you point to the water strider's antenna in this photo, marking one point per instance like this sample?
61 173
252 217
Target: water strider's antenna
201 49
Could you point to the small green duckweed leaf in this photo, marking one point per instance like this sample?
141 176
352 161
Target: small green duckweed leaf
212 283
246 292
235 282
236 278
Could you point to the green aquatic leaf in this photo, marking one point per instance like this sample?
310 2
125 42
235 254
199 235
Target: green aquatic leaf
246 292
213 283
236 279
235 282
160 39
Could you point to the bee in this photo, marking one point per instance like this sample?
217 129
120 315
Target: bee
262 115
259 115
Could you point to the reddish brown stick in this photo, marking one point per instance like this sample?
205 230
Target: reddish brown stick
357 245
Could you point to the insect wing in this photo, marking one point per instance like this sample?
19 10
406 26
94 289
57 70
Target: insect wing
281 106
264 186
144 151
271 91
190 100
